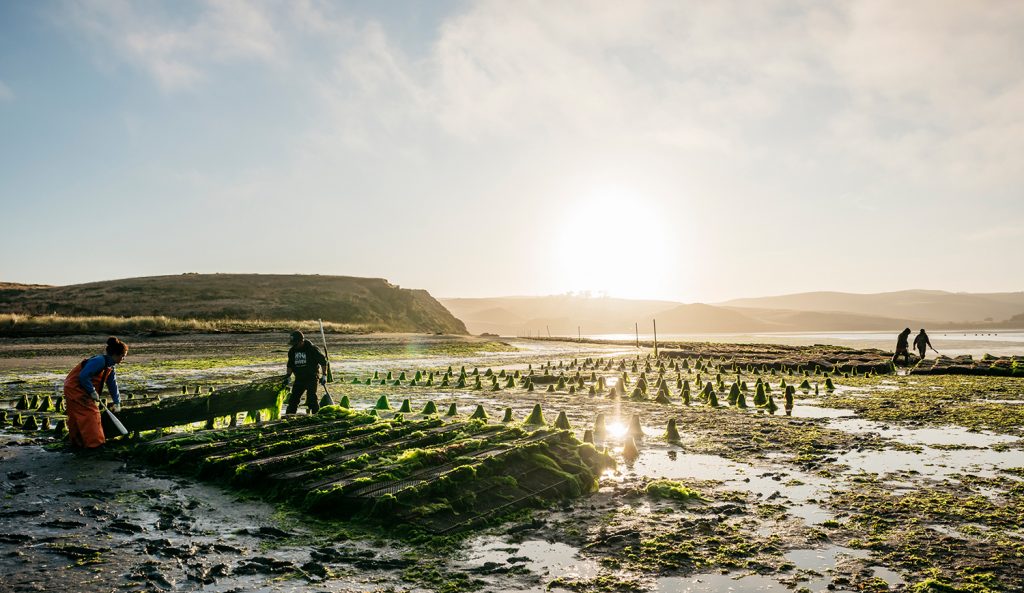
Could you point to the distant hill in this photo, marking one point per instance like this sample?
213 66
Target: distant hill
371 302
561 315
934 306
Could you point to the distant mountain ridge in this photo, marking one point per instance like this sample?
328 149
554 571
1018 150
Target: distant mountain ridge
933 306
371 302
820 311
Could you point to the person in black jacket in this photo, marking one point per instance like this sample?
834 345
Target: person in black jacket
903 347
304 360
922 343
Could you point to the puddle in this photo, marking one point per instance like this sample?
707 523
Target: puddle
889 576
810 409
546 559
933 463
820 560
949 435
712 583
766 482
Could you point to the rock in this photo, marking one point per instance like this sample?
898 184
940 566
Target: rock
264 565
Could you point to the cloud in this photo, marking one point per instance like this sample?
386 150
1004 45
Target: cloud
6 94
177 49
777 99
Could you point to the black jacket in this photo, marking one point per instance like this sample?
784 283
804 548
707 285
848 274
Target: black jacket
304 360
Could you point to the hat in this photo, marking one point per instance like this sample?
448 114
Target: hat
295 338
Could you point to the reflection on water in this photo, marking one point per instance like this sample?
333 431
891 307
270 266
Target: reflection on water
820 560
544 558
934 463
799 488
947 435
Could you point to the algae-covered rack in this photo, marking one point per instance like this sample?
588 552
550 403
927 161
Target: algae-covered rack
438 475
264 395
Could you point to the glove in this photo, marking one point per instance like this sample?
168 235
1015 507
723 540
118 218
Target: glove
115 407
323 380
95 396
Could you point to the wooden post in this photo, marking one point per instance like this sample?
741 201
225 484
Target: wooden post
579 336
655 321
636 328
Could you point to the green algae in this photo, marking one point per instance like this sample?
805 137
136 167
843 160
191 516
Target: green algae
960 400
672 490
536 417
671 432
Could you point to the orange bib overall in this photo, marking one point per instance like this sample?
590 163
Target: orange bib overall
85 427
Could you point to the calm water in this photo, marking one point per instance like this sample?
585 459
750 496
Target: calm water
951 343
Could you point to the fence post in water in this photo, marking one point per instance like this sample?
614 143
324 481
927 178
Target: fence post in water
636 328
655 322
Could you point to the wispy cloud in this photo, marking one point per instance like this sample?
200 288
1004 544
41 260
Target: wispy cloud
177 49
6 94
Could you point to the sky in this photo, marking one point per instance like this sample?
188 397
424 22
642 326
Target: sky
689 151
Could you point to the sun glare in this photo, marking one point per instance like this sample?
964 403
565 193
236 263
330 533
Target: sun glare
614 242
615 430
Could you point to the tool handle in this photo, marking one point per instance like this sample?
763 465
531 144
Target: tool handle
117 423
330 378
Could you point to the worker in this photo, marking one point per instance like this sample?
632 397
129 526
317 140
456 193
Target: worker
922 343
83 392
304 360
903 346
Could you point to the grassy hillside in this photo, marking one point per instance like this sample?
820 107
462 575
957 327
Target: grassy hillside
371 303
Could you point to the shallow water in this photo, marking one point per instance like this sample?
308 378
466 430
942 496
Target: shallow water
765 482
820 560
951 343
544 559
948 435
938 464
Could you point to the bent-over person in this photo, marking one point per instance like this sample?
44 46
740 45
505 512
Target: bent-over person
83 391
903 347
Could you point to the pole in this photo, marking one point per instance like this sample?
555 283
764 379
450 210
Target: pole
548 328
326 400
330 377
579 336
655 337
117 423
636 328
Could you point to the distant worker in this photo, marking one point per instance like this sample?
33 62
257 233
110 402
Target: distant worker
922 343
305 360
903 347
83 391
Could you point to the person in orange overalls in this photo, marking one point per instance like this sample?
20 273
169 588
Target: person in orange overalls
83 388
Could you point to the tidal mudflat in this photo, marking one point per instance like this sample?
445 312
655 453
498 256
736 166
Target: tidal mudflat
874 481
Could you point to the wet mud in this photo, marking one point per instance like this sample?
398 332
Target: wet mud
887 483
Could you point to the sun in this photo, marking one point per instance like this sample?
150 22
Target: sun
614 242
